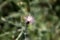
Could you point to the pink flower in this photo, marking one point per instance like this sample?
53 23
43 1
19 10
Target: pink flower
29 19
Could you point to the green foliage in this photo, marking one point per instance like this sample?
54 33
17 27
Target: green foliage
12 22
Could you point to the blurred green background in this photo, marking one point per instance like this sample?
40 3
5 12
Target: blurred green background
46 14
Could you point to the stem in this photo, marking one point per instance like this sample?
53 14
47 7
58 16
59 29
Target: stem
19 35
25 32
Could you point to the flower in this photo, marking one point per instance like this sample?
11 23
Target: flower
29 19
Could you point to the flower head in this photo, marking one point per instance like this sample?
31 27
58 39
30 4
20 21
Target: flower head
29 19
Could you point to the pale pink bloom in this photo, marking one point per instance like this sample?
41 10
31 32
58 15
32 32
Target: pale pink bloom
29 19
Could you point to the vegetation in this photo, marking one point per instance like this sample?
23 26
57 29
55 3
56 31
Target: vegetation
44 23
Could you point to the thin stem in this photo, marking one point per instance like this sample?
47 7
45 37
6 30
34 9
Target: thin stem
19 35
